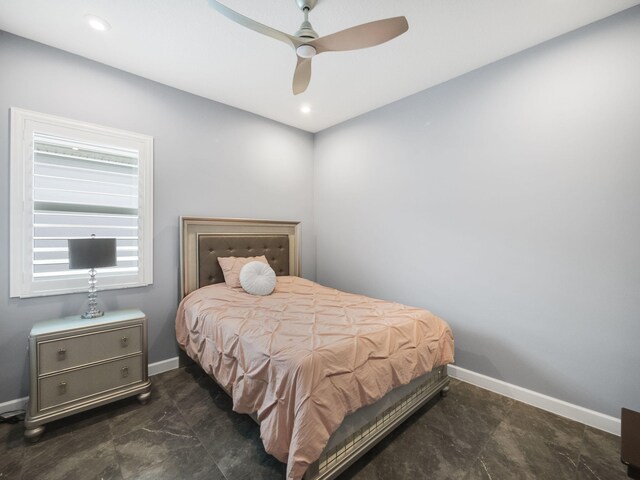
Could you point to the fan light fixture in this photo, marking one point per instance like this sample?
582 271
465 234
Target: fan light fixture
306 51
306 109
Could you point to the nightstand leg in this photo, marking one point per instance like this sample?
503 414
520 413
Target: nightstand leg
445 391
34 434
143 398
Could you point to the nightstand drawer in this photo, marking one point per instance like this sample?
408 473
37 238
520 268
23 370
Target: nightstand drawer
79 350
72 386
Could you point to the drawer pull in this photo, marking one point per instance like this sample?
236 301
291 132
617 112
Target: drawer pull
124 342
62 354
62 388
125 372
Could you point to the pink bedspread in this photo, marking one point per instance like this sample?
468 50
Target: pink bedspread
305 356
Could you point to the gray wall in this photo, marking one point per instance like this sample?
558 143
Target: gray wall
506 201
210 160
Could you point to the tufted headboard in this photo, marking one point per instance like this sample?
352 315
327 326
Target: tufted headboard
211 246
203 240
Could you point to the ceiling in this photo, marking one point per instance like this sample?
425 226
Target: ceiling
189 46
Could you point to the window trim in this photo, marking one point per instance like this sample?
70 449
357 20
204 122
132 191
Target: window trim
23 124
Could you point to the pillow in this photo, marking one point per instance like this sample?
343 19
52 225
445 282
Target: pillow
257 278
231 267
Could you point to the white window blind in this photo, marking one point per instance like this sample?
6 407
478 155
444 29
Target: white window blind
72 180
80 190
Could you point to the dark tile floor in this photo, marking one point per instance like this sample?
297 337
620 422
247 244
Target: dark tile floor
188 431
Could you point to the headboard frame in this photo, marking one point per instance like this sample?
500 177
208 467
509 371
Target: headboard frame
203 240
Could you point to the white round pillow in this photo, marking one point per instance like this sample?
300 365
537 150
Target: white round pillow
257 278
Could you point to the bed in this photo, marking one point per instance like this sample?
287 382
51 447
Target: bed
312 365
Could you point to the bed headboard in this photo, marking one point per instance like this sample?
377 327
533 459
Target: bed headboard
203 240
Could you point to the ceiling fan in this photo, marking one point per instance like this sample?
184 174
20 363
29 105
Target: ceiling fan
307 43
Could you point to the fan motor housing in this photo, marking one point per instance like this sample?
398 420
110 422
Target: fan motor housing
306 31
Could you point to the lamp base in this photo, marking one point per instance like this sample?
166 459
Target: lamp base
93 311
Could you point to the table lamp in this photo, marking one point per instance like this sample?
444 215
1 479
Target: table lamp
92 253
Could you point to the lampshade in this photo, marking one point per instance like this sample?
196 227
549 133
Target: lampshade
92 253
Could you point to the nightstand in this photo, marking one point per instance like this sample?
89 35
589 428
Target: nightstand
77 364
630 442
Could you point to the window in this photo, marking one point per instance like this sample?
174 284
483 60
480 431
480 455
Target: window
70 179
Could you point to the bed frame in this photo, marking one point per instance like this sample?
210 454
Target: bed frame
202 240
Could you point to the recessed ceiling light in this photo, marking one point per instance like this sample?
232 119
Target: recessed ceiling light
97 23
306 109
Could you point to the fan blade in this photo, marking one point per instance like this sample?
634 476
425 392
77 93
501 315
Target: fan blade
302 75
255 26
362 36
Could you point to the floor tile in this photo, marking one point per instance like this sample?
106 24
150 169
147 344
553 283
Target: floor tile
160 438
233 440
11 436
188 430
200 397
132 415
468 415
413 450
11 451
513 452
87 453
555 430
190 464
11 463
600 457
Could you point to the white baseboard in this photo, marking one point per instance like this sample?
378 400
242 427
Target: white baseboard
163 366
11 405
154 369
544 402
